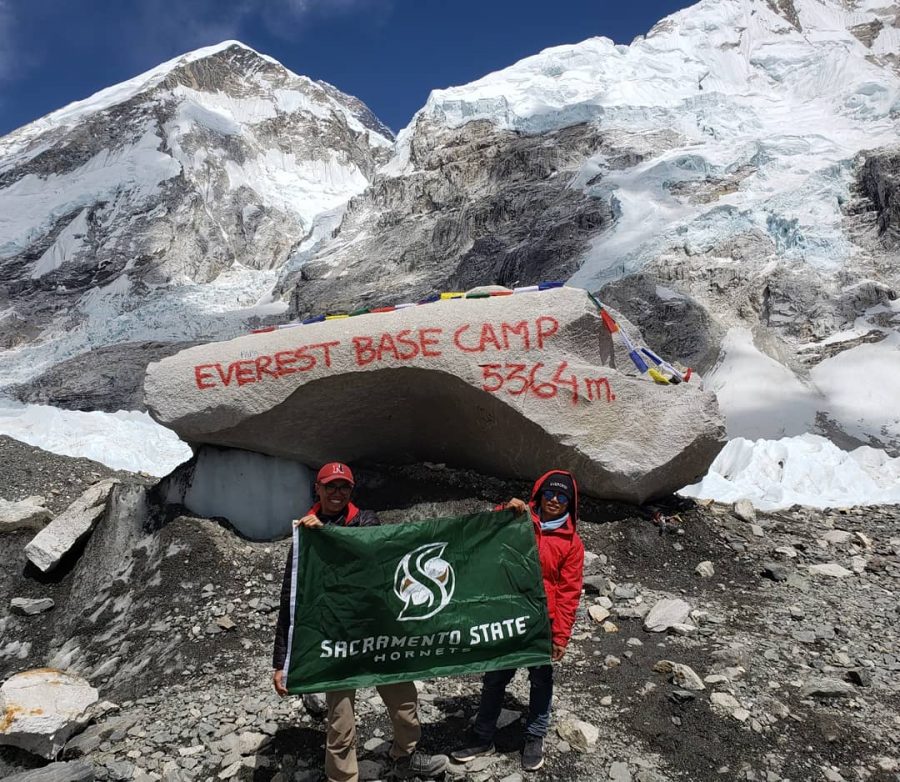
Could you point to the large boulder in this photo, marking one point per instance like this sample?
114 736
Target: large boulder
42 708
29 513
61 535
507 385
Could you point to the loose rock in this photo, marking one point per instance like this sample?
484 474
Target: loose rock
666 613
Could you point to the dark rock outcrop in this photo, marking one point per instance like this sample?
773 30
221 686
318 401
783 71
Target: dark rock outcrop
108 378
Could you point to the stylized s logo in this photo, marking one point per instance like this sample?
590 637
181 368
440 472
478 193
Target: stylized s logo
424 582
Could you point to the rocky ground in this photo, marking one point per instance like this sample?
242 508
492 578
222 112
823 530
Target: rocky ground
172 621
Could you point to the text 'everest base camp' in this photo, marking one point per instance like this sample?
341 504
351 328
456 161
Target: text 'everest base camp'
502 384
590 369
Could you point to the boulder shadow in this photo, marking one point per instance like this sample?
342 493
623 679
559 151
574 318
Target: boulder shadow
293 748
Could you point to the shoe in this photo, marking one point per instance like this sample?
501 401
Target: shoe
473 749
314 703
420 764
533 753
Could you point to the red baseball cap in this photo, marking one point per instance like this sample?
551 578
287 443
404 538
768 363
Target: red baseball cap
335 471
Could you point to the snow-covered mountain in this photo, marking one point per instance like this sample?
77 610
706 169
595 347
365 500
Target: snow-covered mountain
739 159
158 207
727 181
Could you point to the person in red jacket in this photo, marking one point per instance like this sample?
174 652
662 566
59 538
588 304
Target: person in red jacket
554 510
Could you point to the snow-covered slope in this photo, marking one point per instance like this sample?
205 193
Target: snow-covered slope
787 92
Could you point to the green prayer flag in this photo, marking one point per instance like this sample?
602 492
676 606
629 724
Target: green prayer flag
385 604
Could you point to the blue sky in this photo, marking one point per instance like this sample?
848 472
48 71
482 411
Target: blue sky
388 53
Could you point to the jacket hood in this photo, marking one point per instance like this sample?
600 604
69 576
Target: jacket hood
534 502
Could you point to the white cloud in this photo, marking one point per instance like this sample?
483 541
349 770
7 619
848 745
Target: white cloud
159 29
283 17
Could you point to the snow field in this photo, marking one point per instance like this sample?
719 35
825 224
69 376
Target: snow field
127 440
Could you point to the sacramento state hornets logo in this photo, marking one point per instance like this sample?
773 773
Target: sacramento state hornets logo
424 582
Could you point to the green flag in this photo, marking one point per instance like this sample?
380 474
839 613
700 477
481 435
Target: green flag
377 605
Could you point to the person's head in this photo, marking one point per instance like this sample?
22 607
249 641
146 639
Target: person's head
555 495
334 484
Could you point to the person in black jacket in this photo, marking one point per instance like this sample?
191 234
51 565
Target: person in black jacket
334 486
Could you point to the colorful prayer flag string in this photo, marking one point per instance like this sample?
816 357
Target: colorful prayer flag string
637 356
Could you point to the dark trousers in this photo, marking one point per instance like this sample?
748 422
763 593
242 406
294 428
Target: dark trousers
494 686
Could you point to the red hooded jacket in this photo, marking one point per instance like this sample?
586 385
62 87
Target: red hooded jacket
562 563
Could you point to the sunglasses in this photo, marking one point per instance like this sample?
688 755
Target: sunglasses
550 495
331 488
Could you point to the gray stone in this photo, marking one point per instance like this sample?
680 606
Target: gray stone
682 676
44 707
775 571
745 511
29 607
81 745
858 564
581 735
120 770
862 677
705 569
250 742
29 513
437 373
480 764
595 584
619 772
53 542
598 613
726 703
825 687
632 612
665 613
73 771
830 569
836 537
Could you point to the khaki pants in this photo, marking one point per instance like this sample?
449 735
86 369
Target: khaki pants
340 744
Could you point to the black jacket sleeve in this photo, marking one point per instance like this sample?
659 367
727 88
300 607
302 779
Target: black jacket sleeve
366 518
279 653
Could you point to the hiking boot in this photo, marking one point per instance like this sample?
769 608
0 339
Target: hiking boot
533 753
474 748
314 703
420 764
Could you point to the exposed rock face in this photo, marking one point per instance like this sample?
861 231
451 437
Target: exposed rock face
109 378
879 179
482 205
434 382
42 708
674 325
